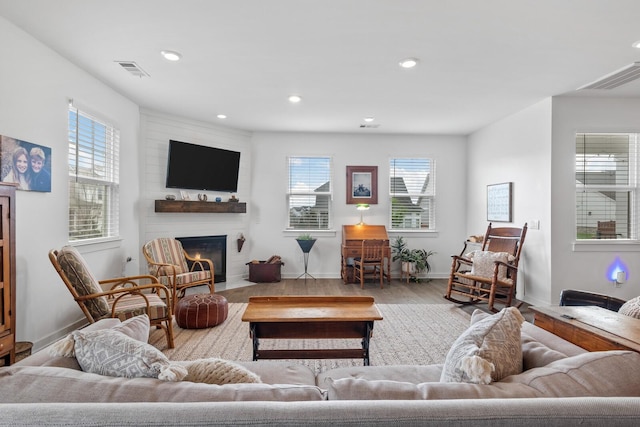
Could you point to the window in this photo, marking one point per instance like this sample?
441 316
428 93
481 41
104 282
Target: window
606 191
310 193
93 178
412 190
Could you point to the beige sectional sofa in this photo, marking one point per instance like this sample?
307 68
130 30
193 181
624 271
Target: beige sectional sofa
561 384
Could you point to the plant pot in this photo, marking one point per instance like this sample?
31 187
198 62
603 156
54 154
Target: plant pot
409 267
306 245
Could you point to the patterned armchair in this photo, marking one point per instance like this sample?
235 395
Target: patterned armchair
124 297
167 261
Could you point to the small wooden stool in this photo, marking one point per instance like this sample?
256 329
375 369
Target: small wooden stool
201 311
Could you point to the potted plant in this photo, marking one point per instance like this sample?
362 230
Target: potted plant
413 261
306 242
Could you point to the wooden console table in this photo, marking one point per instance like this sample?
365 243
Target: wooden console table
311 317
590 327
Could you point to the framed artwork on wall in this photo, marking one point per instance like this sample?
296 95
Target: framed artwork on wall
499 202
25 164
362 185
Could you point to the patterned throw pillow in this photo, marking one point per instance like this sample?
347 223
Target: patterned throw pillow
112 353
218 371
489 350
484 263
631 308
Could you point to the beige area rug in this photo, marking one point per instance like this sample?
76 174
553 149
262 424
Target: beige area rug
410 334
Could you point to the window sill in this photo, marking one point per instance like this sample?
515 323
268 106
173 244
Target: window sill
314 233
606 246
95 245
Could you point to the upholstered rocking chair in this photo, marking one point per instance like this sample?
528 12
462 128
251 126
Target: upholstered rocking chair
122 297
167 261
490 274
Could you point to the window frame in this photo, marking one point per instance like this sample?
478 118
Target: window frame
428 191
310 192
102 183
631 186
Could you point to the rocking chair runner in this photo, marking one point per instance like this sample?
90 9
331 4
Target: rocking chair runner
494 269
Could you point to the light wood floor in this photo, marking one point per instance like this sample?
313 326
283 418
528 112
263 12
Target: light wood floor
395 293
431 292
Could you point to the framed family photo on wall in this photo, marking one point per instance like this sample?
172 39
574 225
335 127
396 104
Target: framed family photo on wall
362 185
25 164
499 202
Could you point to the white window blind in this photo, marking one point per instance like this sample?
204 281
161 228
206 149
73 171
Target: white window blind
412 192
93 177
606 190
309 193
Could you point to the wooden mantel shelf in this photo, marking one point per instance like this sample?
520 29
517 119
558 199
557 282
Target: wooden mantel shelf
177 206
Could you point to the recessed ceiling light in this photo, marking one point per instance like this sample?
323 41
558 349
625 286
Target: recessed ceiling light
636 44
221 116
294 99
369 119
170 55
409 63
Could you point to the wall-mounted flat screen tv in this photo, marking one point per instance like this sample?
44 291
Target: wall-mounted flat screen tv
198 167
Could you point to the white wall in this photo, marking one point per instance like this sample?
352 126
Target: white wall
586 268
269 184
517 149
156 131
35 85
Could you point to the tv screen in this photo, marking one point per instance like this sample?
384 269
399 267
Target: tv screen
197 167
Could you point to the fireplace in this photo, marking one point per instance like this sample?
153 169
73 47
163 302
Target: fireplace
211 247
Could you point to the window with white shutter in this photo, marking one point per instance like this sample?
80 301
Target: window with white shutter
412 192
93 178
309 193
606 188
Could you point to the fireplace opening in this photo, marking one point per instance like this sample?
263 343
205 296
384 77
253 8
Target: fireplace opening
211 247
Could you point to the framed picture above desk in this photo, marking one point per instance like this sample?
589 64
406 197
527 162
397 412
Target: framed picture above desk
362 185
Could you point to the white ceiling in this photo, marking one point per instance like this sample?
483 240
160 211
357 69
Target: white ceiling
479 60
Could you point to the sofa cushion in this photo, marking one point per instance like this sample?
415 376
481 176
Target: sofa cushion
488 351
359 389
535 354
402 373
631 308
44 384
600 373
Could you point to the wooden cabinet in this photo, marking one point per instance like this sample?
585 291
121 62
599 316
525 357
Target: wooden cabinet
590 327
7 274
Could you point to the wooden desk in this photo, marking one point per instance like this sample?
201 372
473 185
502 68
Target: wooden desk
311 317
590 327
352 237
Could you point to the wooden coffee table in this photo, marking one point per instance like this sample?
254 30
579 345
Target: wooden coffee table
592 328
311 317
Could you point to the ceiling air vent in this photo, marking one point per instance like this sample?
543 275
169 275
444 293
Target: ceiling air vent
369 126
617 78
133 68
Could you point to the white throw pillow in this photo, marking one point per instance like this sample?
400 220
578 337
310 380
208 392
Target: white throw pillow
484 263
631 308
488 351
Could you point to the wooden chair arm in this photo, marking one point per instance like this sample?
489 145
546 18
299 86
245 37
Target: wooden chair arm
126 290
198 262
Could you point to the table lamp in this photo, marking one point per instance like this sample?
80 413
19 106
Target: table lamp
362 207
